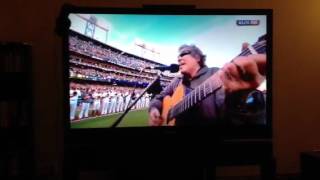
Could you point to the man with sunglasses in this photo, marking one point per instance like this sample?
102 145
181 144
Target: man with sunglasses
239 78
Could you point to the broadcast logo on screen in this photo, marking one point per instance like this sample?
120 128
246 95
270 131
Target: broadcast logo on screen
248 22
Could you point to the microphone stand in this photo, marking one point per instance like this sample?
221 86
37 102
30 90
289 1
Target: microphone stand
136 100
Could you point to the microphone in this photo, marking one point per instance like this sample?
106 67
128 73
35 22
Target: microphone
172 68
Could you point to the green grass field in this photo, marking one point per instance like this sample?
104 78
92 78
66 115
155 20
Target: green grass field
132 119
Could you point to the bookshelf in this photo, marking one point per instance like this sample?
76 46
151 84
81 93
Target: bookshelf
16 127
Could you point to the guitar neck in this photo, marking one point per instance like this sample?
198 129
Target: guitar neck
209 86
198 94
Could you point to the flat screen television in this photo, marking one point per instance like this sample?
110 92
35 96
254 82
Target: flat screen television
116 58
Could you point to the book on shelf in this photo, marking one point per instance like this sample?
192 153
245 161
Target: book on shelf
14 57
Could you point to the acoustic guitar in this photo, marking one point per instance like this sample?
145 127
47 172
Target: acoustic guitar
178 102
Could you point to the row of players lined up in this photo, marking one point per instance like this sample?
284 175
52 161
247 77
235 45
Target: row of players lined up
87 100
105 66
93 50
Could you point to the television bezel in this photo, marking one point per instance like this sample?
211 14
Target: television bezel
259 132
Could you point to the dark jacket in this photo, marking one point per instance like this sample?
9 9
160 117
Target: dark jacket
211 110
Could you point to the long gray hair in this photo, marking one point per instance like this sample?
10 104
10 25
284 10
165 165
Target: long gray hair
194 52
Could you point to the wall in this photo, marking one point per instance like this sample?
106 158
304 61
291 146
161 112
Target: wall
296 64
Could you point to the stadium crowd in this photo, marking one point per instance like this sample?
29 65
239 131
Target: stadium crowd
91 65
105 80
111 74
106 54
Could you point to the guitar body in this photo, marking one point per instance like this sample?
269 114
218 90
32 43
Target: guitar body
169 102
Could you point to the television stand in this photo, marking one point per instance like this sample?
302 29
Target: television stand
248 152
188 158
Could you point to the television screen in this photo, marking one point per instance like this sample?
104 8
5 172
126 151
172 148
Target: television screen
143 68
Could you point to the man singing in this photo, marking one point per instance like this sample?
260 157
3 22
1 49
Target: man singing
238 78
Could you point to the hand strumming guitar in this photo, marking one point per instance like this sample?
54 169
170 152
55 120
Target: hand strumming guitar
154 117
243 73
